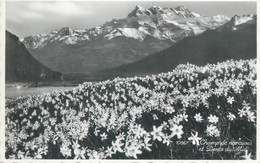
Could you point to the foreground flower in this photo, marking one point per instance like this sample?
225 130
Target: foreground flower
146 144
242 112
230 100
20 154
251 116
231 116
213 119
103 136
167 140
117 146
157 133
132 151
176 130
194 138
65 151
247 155
96 155
79 153
198 117
212 131
109 152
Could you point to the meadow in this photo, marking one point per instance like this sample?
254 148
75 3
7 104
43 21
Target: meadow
191 112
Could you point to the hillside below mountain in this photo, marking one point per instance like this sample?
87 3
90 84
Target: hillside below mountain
234 40
118 42
21 66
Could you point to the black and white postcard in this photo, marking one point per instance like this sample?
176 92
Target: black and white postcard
153 80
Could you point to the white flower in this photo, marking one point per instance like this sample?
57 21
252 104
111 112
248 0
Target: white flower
251 116
109 152
78 152
103 136
65 151
198 117
167 140
213 119
146 143
230 100
157 133
242 112
155 117
231 116
212 131
184 117
176 130
96 155
20 154
117 146
247 155
194 138
132 151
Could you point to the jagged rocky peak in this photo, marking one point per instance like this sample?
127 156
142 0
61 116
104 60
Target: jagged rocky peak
154 10
237 20
139 10
181 8
184 12
65 31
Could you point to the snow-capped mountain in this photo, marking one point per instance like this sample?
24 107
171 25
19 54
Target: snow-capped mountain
234 40
239 22
179 11
162 23
120 41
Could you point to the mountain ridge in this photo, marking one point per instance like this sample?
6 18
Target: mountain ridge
157 16
119 41
230 41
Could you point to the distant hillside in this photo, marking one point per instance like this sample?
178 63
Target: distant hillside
234 40
21 66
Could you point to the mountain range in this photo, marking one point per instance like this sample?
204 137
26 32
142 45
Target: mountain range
21 66
118 42
234 40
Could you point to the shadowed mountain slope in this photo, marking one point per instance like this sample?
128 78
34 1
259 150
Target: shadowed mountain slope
21 66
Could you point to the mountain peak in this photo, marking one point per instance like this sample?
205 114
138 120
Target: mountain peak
137 7
237 20
181 8
154 10
65 31
139 10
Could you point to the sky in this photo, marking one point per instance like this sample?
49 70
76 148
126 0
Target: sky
25 18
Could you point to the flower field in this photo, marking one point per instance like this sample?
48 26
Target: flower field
190 113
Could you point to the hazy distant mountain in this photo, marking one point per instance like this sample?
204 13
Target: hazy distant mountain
21 66
234 40
118 42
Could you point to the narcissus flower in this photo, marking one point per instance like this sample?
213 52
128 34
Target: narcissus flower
176 130
157 133
194 138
